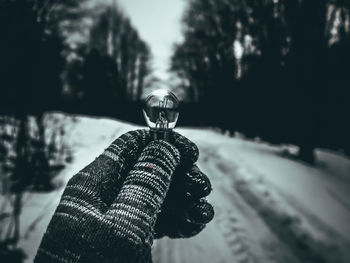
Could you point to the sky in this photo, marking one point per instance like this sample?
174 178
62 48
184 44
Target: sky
159 25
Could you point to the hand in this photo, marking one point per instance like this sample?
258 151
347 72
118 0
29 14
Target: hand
108 210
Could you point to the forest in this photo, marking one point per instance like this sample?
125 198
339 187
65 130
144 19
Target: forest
277 70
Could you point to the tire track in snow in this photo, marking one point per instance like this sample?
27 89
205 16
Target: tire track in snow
258 242
234 235
227 211
286 228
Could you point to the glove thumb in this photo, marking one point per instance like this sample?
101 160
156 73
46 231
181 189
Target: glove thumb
144 190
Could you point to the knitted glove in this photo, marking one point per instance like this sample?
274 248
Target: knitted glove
108 210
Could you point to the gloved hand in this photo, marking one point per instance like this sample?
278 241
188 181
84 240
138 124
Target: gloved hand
108 210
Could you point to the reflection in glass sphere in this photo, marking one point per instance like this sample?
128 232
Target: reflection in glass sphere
161 109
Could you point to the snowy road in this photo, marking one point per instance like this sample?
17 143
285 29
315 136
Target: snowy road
255 221
268 208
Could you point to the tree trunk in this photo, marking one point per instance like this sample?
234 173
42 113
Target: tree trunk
306 153
40 159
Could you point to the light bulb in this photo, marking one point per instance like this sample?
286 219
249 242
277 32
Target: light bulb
161 111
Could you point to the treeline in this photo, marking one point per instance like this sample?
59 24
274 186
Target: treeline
75 56
82 56
277 69
109 71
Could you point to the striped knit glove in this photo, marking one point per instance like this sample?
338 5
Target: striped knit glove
108 210
107 214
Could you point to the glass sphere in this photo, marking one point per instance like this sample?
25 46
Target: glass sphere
161 109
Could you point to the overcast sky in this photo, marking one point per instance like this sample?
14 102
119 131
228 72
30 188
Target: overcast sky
159 24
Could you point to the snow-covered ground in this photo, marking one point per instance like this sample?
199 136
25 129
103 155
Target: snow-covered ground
268 208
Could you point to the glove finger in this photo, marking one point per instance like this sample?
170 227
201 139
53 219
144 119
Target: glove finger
121 153
194 221
197 184
185 189
175 227
188 150
170 221
186 229
200 212
128 146
144 189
